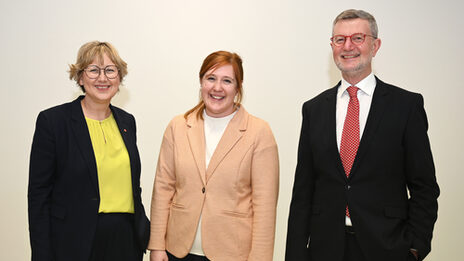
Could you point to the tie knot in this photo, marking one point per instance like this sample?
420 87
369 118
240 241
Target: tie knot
352 91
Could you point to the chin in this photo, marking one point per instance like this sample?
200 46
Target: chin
350 69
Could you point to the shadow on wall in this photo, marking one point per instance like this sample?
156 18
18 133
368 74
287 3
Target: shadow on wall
333 71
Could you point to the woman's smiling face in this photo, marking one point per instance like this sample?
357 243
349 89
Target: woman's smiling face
101 89
218 90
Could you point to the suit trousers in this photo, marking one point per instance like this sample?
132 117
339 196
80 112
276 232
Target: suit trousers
115 239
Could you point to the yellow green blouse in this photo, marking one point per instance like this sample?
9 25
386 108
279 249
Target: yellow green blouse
113 166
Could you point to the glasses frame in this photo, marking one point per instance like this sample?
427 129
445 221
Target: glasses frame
351 39
99 71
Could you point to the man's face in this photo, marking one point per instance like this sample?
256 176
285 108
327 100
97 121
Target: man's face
354 60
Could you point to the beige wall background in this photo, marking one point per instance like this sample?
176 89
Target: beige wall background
287 60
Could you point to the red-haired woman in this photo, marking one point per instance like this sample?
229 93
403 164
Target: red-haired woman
217 179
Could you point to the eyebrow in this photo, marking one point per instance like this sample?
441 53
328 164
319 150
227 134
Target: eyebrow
213 74
93 64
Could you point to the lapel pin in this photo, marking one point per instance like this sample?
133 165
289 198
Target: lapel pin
125 130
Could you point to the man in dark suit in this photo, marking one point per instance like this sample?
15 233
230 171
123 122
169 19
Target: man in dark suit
365 186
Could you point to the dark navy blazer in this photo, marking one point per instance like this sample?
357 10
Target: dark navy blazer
63 192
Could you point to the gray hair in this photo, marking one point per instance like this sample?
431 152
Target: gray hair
353 14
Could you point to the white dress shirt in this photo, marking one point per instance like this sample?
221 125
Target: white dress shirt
366 90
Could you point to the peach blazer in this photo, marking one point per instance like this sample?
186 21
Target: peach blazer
236 194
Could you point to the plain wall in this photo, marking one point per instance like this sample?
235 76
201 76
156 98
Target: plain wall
287 60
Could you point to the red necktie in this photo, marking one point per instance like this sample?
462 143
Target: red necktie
350 135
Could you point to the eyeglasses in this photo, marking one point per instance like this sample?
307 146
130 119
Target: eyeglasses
357 39
110 71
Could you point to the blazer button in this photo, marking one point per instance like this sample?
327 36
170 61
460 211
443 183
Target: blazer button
203 190
348 187
93 199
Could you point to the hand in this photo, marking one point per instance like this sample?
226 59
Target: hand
415 253
158 255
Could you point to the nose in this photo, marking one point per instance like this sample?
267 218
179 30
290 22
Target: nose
217 85
102 75
348 45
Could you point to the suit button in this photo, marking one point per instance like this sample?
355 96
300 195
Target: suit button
203 190
348 187
93 199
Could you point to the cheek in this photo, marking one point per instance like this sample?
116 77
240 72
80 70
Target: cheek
233 91
334 49
204 91
116 82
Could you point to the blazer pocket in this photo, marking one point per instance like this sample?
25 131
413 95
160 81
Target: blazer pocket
58 211
175 205
396 212
235 214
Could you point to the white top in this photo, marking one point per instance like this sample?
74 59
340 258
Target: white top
214 129
366 90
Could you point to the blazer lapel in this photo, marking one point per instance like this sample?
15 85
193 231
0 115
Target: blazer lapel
81 133
378 106
196 138
231 136
127 133
331 127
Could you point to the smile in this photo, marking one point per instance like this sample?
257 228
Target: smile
216 97
350 56
103 87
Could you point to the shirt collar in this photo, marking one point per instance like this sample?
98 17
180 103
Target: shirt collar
366 85
227 118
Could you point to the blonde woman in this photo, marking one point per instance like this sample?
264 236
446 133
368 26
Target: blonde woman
84 178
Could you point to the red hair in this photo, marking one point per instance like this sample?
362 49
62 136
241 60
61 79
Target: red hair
216 60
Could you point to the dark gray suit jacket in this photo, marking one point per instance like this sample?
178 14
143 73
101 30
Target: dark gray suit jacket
393 157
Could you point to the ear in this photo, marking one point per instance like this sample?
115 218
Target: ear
376 46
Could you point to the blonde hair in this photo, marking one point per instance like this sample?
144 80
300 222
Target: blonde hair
95 50
216 60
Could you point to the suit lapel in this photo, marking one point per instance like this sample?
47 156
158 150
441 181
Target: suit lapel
127 134
232 134
378 106
82 136
331 127
196 138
